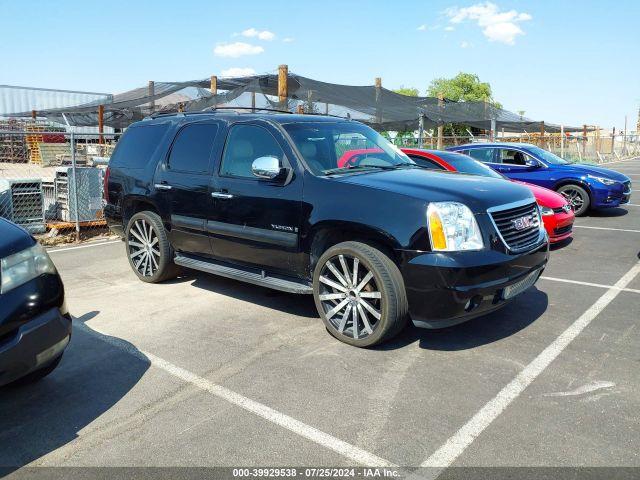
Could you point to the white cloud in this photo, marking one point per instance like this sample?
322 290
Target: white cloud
465 44
287 40
261 34
236 49
497 26
238 72
422 28
449 28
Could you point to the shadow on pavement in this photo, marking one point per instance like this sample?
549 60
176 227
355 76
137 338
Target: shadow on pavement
300 305
517 315
608 212
561 244
94 375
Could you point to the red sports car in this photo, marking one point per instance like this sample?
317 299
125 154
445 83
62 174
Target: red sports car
557 214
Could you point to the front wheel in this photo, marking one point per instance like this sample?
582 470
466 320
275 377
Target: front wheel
360 294
577 197
148 248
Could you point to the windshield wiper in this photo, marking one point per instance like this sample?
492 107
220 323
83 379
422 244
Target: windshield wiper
360 168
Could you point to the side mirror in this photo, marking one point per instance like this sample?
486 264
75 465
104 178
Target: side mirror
267 168
532 163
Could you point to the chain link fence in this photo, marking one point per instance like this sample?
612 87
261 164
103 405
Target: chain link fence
51 181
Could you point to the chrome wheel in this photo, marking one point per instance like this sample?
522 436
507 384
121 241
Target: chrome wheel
144 253
349 296
574 198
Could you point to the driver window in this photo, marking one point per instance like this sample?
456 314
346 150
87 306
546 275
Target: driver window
513 157
245 143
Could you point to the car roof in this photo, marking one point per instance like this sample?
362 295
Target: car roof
233 116
493 144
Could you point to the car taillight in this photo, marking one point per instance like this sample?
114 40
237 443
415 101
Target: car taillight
106 185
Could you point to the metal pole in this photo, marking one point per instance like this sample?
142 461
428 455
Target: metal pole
75 184
624 137
420 131
562 141
493 129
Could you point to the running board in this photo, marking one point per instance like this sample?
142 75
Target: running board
249 276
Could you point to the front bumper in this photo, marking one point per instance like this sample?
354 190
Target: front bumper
448 288
611 196
559 226
35 344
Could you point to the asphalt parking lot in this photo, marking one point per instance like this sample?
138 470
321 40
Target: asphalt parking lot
206 371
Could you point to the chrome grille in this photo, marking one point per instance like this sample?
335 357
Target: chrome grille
517 237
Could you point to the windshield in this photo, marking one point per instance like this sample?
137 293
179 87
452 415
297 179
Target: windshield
547 156
465 164
329 148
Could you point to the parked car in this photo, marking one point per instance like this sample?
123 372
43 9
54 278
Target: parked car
35 326
557 213
261 198
585 186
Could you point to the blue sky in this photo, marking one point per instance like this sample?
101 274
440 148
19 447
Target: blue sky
560 61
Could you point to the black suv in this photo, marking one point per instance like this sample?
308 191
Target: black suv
324 206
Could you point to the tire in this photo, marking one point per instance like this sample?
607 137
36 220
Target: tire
36 375
577 197
148 249
380 303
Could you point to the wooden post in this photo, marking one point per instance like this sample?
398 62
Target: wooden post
584 138
326 108
101 124
253 101
34 115
542 145
300 109
283 91
214 85
440 144
151 92
378 85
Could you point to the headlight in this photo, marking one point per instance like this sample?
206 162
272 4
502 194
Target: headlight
603 180
544 211
19 268
452 227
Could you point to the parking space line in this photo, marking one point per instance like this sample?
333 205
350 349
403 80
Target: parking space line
310 433
589 284
605 228
68 249
458 443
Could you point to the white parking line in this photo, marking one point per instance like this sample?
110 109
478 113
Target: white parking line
458 443
68 249
606 228
589 284
310 433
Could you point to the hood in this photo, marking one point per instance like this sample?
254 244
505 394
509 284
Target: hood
477 192
585 169
13 238
544 196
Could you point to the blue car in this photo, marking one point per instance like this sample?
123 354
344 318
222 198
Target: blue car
584 186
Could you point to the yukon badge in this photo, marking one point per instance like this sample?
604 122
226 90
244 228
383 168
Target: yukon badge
284 228
522 222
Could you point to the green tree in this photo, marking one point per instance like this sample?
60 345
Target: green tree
463 87
408 91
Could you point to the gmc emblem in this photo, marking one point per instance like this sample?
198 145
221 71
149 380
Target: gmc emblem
522 222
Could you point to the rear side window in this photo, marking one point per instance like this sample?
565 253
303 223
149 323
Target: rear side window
482 154
137 146
426 162
191 150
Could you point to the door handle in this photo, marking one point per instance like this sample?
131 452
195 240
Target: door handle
223 196
162 186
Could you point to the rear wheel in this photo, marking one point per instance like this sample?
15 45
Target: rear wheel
360 295
577 197
148 248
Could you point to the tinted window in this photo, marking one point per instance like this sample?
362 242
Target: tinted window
425 162
137 146
245 143
482 154
464 164
192 148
